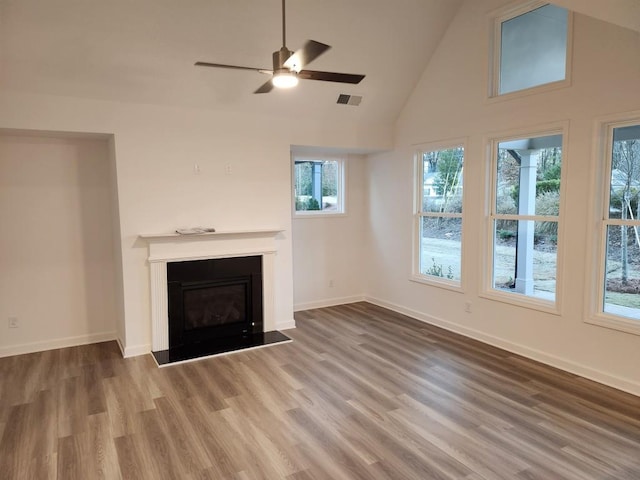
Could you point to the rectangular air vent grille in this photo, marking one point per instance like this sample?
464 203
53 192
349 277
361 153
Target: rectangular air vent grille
354 100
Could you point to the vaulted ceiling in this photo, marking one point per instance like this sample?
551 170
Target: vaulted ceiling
143 51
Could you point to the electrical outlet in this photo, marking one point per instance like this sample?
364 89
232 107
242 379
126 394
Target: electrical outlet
228 170
13 322
330 283
196 169
467 307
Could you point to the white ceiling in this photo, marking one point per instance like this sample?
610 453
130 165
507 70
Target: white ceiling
143 51
625 13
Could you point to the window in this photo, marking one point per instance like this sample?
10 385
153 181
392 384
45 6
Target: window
439 188
318 186
620 225
531 46
524 217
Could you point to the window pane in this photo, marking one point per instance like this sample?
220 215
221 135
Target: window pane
440 247
442 180
525 258
624 186
317 186
622 287
533 49
528 176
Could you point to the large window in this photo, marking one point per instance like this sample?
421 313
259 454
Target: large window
620 227
525 216
318 186
531 46
439 188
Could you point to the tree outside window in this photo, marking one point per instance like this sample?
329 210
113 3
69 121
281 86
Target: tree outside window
621 223
439 215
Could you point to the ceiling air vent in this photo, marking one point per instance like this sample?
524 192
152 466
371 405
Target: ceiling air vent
349 99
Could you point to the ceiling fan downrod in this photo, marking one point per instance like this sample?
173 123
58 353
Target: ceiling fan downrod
284 31
284 53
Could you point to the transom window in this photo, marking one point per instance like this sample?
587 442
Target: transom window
531 45
439 188
525 216
318 186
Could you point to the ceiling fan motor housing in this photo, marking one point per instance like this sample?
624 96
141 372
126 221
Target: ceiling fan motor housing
279 58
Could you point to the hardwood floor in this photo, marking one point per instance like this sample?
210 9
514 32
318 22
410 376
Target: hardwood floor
361 393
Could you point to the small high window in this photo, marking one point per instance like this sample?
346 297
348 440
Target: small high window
531 48
318 186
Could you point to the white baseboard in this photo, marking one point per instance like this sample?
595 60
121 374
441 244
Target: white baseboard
56 343
120 346
329 302
570 366
135 350
286 325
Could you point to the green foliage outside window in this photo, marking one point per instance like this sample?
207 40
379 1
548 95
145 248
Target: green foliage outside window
448 169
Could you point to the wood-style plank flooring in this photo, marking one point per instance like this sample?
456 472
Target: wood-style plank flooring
361 393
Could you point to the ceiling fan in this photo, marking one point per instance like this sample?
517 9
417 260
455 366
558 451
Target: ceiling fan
288 66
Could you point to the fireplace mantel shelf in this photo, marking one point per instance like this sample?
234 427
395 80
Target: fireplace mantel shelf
178 247
173 236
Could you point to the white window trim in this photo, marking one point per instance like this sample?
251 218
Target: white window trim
342 184
601 177
416 276
487 290
497 17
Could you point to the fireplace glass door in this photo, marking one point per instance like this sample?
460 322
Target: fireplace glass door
212 300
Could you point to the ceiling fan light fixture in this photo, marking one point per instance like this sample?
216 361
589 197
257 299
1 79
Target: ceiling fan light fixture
285 79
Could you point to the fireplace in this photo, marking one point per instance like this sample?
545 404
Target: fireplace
213 300
226 310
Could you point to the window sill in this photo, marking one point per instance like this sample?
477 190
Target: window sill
299 215
615 323
524 301
548 87
439 283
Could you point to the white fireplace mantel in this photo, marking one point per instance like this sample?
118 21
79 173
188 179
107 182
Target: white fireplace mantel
175 247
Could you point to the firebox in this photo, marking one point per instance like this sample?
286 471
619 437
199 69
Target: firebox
214 301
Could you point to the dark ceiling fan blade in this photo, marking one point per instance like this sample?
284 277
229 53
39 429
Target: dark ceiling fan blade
307 54
235 67
330 76
265 88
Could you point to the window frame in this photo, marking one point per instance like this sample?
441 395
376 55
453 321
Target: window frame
341 186
488 291
419 214
601 179
497 18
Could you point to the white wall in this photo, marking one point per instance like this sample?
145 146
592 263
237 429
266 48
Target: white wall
116 243
155 151
57 263
331 248
450 102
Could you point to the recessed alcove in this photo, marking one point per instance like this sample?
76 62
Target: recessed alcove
59 275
